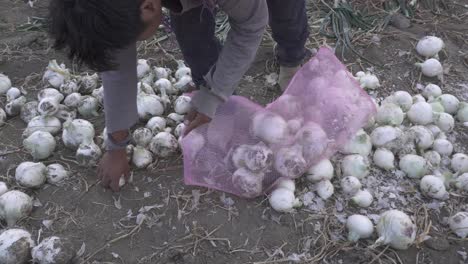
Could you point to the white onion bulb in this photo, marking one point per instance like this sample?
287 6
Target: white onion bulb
359 144
149 105
144 88
88 154
431 68
385 135
433 158
459 163
40 145
76 132
429 46
50 93
389 114
433 187
179 130
48 106
413 165
443 147
369 81
182 105
5 84
49 124
161 72
461 182
269 127
363 198
314 141
384 159
13 108
142 136
142 68
56 74
418 98
156 124
444 121
420 113
396 229
164 86
449 102
422 136
350 185
88 83
183 83
69 88
53 250
462 114
30 174
164 144
141 157
355 165
324 189
321 171
12 94
286 183
437 107
182 70
14 205
88 106
282 200
15 246
459 224
29 111
72 100
3 117
3 188
173 119
359 226
56 173
403 99
99 94
247 182
289 162
432 91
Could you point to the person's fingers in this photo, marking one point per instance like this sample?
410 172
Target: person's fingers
127 173
114 184
191 115
190 127
99 173
200 120
105 180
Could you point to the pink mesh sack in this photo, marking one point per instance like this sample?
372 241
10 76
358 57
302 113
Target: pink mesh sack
246 148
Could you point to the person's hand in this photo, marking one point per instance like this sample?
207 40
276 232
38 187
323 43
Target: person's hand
195 119
112 166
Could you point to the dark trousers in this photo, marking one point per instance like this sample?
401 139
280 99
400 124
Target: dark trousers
195 33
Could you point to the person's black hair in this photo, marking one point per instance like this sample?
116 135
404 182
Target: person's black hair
91 31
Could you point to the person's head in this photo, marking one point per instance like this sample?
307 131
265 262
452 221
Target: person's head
92 30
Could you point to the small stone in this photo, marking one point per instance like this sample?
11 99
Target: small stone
437 243
400 21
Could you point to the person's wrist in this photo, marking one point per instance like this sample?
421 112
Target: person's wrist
117 140
119 136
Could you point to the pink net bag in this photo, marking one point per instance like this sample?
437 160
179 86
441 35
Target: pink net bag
246 148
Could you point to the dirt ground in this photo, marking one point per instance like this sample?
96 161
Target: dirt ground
196 225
